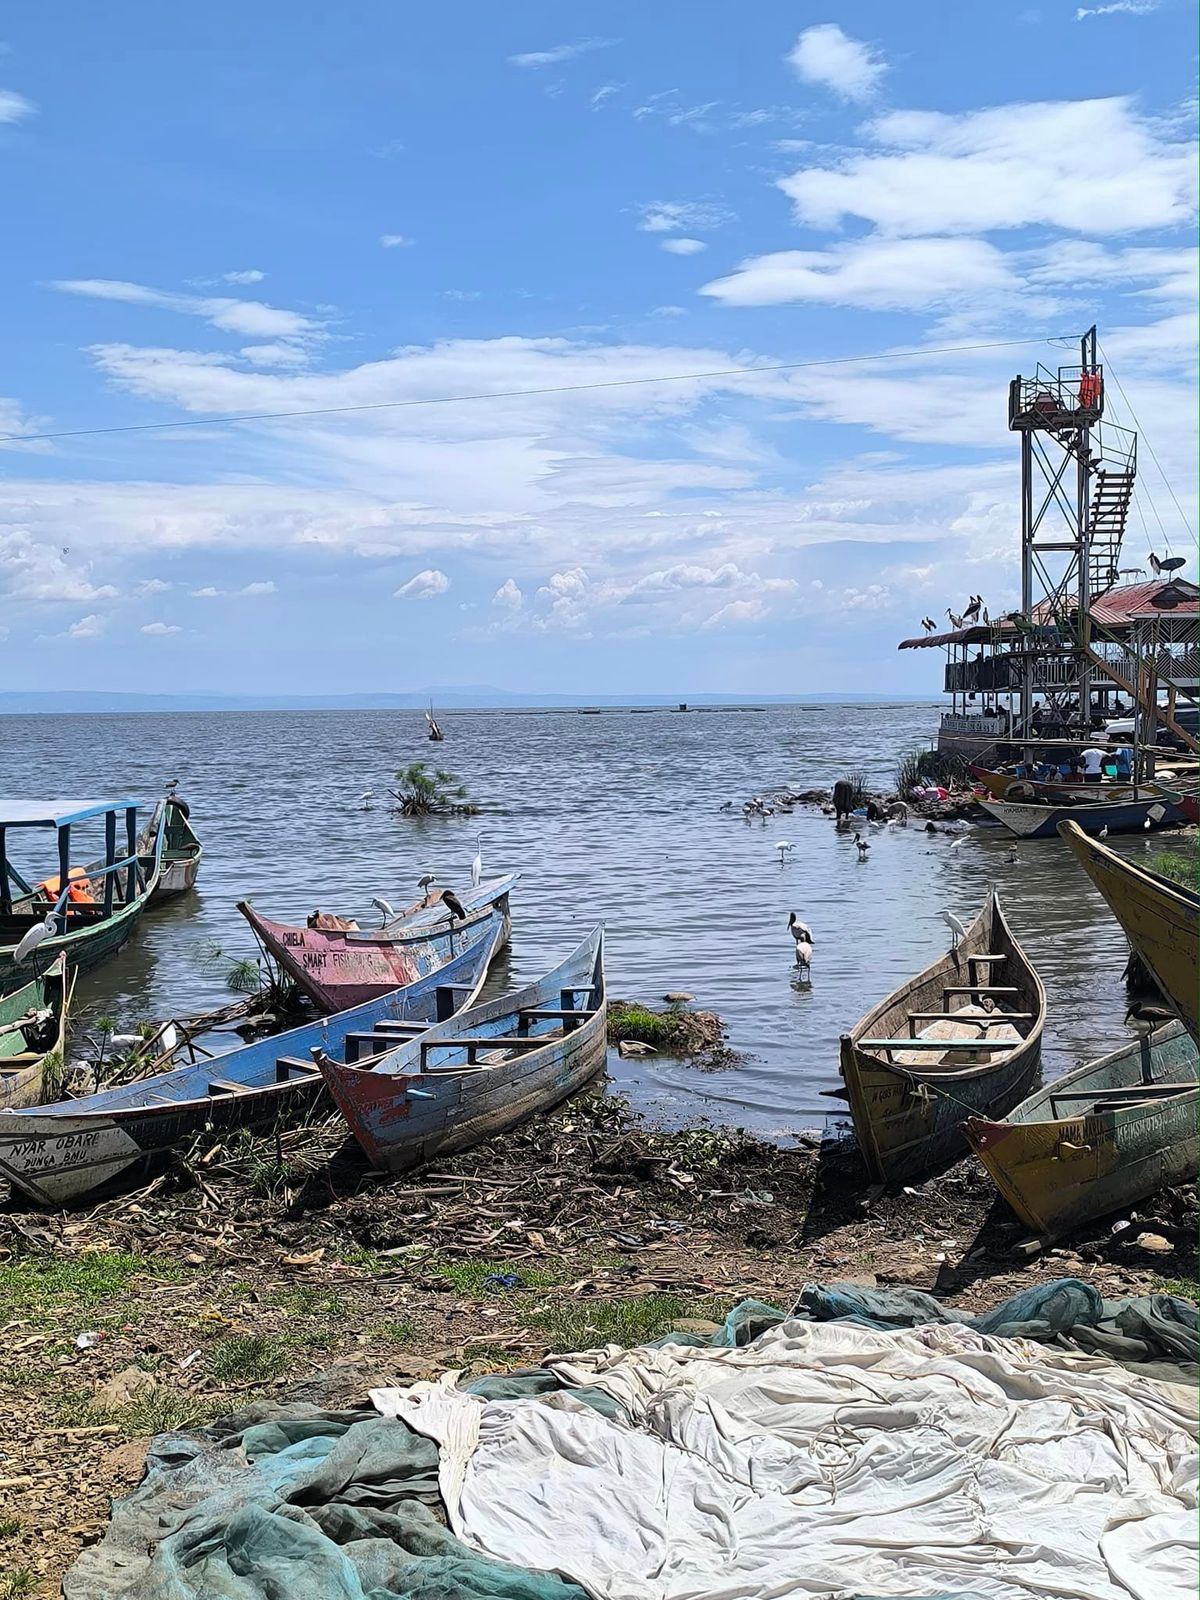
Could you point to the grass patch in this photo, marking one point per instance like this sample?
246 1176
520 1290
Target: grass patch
1180 866
403 1330
920 769
44 1283
10 1527
1181 1288
14 1585
583 1324
247 1358
675 1031
471 1277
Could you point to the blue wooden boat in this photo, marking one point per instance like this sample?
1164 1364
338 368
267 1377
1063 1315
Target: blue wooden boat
55 1153
87 912
484 1071
1028 820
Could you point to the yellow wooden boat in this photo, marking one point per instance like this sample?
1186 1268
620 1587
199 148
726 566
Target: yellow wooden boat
1161 920
964 1036
1102 1138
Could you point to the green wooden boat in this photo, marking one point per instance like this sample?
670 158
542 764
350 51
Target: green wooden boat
33 1026
85 913
1102 1138
181 850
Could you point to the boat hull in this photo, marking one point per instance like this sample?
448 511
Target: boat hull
30 1054
1118 816
907 1118
1004 786
403 1114
60 1153
342 969
1160 919
1059 1171
181 854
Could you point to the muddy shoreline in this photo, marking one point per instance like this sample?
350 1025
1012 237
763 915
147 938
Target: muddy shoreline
286 1268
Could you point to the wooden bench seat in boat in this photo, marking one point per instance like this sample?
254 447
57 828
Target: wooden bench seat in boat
287 1065
473 1043
979 988
223 1086
919 1043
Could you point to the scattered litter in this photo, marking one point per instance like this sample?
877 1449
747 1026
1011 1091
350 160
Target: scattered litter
85 1341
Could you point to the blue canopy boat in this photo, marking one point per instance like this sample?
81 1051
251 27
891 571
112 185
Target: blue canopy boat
85 912
55 1153
483 1071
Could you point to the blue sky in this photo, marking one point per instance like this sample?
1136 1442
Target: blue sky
270 208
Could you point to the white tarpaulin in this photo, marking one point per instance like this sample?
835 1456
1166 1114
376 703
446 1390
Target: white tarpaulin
827 1459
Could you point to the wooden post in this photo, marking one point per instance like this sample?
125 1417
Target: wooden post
64 871
131 842
110 855
5 886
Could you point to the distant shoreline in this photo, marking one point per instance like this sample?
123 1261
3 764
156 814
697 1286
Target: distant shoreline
49 703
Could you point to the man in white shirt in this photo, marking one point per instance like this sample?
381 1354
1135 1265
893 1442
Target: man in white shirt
1093 765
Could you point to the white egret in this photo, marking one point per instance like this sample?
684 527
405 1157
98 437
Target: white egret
1103 834
477 864
958 842
30 941
956 926
364 799
784 846
385 908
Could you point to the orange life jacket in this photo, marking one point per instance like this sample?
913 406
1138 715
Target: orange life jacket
79 887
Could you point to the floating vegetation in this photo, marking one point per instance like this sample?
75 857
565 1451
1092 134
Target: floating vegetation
675 1031
423 793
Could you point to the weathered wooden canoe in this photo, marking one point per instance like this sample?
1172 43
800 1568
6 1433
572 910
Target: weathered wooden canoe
94 908
965 1035
483 1072
57 1153
1028 820
1007 786
1160 919
33 1026
1105 1136
181 850
343 967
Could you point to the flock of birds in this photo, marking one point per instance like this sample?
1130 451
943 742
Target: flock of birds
976 611
447 896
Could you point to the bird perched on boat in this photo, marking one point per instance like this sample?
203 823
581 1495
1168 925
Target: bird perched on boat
1166 564
929 624
364 799
1150 1016
35 936
955 622
385 908
426 883
973 609
956 926
784 846
477 863
803 935
1103 834
863 846
454 905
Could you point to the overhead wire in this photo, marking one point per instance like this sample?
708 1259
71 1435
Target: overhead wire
518 394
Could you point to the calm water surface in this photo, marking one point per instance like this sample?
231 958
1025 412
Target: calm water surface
612 817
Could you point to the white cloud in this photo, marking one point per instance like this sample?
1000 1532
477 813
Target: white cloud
248 317
878 274
825 55
394 241
558 53
152 586
424 585
278 354
260 587
676 112
1089 166
674 216
1167 274
735 614
250 275
684 247
38 569
14 106
604 93
90 627
249 590
160 629
207 593
508 596
1130 8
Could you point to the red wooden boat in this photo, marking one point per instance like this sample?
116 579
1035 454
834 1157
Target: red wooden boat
341 967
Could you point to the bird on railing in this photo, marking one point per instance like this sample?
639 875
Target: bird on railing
929 624
1167 564
40 931
1148 1016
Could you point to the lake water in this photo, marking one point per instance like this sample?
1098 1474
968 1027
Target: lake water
612 817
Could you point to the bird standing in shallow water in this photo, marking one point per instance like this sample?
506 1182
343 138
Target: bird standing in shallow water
784 846
863 846
803 935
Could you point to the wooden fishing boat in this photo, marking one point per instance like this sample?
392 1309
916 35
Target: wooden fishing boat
1160 919
339 967
1008 786
1104 1137
33 1028
57 1153
434 731
1029 820
965 1035
485 1071
88 912
181 850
